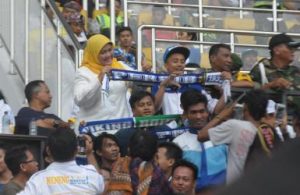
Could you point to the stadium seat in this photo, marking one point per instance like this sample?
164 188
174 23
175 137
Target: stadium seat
241 24
205 61
146 18
85 16
98 12
148 54
290 23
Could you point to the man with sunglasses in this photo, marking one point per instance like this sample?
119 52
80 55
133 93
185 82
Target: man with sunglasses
22 164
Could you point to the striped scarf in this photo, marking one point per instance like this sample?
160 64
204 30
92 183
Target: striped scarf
98 127
211 78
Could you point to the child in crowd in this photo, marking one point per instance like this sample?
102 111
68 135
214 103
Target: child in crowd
76 22
142 104
168 92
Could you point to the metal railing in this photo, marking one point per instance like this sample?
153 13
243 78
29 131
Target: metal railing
201 8
61 23
34 64
232 42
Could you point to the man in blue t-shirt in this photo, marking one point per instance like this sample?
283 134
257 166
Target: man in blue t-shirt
210 160
39 98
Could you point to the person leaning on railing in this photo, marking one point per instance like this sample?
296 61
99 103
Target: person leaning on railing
276 73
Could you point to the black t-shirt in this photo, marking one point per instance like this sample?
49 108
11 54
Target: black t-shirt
24 117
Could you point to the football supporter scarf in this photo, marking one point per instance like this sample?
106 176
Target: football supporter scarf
98 127
210 78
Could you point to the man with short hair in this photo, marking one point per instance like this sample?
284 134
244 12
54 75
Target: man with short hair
22 165
167 154
277 73
237 134
220 57
184 177
221 60
39 98
142 104
210 159
126 52
64 175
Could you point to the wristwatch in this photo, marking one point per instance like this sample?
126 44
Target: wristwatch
56 123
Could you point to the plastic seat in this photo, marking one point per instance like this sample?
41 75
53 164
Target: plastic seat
85 16
241 24
205 61
98 12
146 18
147 54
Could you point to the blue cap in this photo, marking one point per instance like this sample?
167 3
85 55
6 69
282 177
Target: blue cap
176 49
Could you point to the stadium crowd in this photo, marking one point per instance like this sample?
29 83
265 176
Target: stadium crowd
214 137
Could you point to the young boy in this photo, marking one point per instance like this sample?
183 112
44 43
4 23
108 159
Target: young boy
142 104
168 92
76 22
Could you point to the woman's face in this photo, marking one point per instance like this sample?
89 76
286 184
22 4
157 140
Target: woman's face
105 56
183 36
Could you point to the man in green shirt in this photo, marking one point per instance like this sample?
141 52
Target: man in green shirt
276 73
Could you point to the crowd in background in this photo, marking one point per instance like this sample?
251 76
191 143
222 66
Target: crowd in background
223 135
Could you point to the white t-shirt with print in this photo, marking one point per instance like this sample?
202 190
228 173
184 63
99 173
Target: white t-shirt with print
239 136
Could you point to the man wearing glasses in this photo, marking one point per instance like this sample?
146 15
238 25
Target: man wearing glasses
22 165
63 175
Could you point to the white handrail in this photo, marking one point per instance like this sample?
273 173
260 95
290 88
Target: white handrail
59 58
232 33
200 7
26 41
42 40
12 38
153 45
112 21
274 10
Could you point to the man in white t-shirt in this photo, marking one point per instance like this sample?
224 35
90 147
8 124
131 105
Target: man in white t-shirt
237 134
64 176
